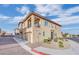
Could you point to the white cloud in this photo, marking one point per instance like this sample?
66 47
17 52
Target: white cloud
70 11
67 20
23 10
48 10
3 17
15 19
55 9
11 20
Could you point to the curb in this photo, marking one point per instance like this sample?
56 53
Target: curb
41 53
25 47
33 51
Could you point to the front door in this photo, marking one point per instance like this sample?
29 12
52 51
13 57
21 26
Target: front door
37 34
29 37
26 37
52 35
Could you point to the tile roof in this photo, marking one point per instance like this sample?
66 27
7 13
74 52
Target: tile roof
33 13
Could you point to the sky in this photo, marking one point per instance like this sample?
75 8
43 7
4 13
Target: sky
65 14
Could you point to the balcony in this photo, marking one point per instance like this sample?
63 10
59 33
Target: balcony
36 25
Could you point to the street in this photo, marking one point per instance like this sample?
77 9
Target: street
8 46
75 39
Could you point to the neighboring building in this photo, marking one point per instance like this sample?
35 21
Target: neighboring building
36 28
16 31
2 33
8 34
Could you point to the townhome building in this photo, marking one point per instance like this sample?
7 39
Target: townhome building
37 30
17 31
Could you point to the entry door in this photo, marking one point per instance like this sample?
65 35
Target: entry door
38 36
26 37
29 37
52 35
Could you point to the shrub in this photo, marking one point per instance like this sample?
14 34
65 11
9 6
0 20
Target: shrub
47 40
56 39
61 44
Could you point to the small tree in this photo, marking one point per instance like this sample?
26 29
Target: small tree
73 35
65 35
78 35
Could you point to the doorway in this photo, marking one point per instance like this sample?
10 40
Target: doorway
52 35
28 35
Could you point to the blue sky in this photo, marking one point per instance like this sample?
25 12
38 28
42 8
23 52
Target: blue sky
65 14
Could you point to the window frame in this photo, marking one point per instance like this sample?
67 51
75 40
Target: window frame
46 23
29 23
43 33
37 22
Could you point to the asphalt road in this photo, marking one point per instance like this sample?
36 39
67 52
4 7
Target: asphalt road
8 46
75 39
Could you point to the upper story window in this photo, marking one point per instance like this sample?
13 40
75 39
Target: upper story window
46 23
52 25
20 25
43 33
29 23
36 22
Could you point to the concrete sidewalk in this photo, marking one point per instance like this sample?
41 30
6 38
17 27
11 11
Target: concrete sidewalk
22 43
73 50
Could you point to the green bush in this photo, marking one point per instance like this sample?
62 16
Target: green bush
56 39
61 44
47 40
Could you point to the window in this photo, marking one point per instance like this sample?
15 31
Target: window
36 22
29 23
43 33
52 26
46 23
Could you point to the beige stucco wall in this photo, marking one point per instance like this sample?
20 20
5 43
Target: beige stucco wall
36 35
47 30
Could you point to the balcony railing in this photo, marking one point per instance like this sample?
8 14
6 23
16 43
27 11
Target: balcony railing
37 25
